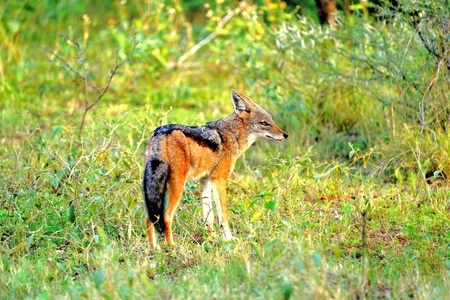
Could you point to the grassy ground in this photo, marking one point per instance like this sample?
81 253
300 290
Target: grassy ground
355 204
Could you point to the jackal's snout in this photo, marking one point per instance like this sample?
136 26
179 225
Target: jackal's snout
283 135
278 135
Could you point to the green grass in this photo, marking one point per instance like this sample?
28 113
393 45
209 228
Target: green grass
367 151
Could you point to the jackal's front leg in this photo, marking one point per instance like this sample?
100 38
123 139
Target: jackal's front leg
220 195
207 195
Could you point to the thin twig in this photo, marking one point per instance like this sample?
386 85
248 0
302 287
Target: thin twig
364 279
2 72
67 66
112 73
63 61
105 88
86 89
424 41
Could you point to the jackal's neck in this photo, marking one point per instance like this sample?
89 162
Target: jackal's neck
236 132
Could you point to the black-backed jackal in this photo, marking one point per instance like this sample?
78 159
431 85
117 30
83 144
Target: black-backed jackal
177 153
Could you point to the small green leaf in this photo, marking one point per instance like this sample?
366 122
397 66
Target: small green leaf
270 205
71 212
30 240
98 277
351 154
286 223
287 288
318 177
13 26
56 131
207 247
337 251
317 259
103 236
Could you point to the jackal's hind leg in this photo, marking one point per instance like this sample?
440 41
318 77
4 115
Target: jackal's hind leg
176 187
151 234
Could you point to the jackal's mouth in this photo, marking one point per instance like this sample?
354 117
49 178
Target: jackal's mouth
269 137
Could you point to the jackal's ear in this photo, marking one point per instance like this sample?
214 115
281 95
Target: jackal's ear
242 104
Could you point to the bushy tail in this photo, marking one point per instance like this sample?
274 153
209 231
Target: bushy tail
156 176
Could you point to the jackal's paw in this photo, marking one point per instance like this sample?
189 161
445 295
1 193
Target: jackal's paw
210 228
227 235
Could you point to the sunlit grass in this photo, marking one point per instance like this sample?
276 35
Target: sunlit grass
71 210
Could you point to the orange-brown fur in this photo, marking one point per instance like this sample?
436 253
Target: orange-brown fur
177 153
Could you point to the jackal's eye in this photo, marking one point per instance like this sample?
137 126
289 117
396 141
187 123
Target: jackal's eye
264 123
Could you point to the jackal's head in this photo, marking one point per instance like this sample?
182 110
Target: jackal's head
259 122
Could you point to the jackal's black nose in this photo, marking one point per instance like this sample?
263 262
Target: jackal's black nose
285 135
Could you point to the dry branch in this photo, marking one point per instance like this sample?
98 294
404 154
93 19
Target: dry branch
210 37
88 105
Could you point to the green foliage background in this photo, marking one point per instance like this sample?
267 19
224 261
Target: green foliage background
365 105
